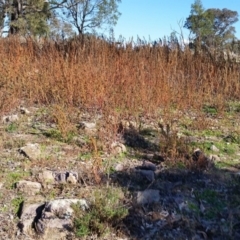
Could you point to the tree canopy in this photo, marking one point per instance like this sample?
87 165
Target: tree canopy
25 16
212 27
43 17
87 15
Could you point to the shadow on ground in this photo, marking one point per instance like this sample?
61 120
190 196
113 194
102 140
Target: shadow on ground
188 205
137 141
179 203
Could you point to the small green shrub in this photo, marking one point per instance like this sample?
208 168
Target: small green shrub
12 127
208 109
105 212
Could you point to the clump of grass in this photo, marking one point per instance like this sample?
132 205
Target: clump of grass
105 212
216 203
65 130
211 110
232 137
14 177
16 204
12 127
57 135
173 145
85 156
233 106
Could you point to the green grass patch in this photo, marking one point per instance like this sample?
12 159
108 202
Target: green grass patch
223 147
16 204
187 133
57 135
213 202
227 164
210 132
233 137
14 177
208 109
233 107
85 156
194 207
12 127
226 148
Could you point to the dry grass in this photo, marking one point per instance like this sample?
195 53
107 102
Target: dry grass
122 82
125 79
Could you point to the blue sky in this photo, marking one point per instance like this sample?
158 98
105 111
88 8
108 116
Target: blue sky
158 18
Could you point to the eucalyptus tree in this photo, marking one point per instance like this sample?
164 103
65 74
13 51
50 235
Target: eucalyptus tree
37 17
24 16
211 27
90 15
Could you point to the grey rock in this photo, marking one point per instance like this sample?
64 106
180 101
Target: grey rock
10 118
28 187
119 167
72 177
62 207
148 174
56 218
148 166
148 196
118 148
46 176
31 151
214 148
60 177
29 212
87 125
126 124
149 156
23 110
214 158
31 207
53 220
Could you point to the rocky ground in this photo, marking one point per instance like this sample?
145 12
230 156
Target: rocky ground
156 178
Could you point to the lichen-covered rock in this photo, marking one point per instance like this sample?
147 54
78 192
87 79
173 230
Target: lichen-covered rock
118 148
24 110
31 209
89 127
53 177
46 176
72 178
10 118
28 187
51 220
214 148
31 151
